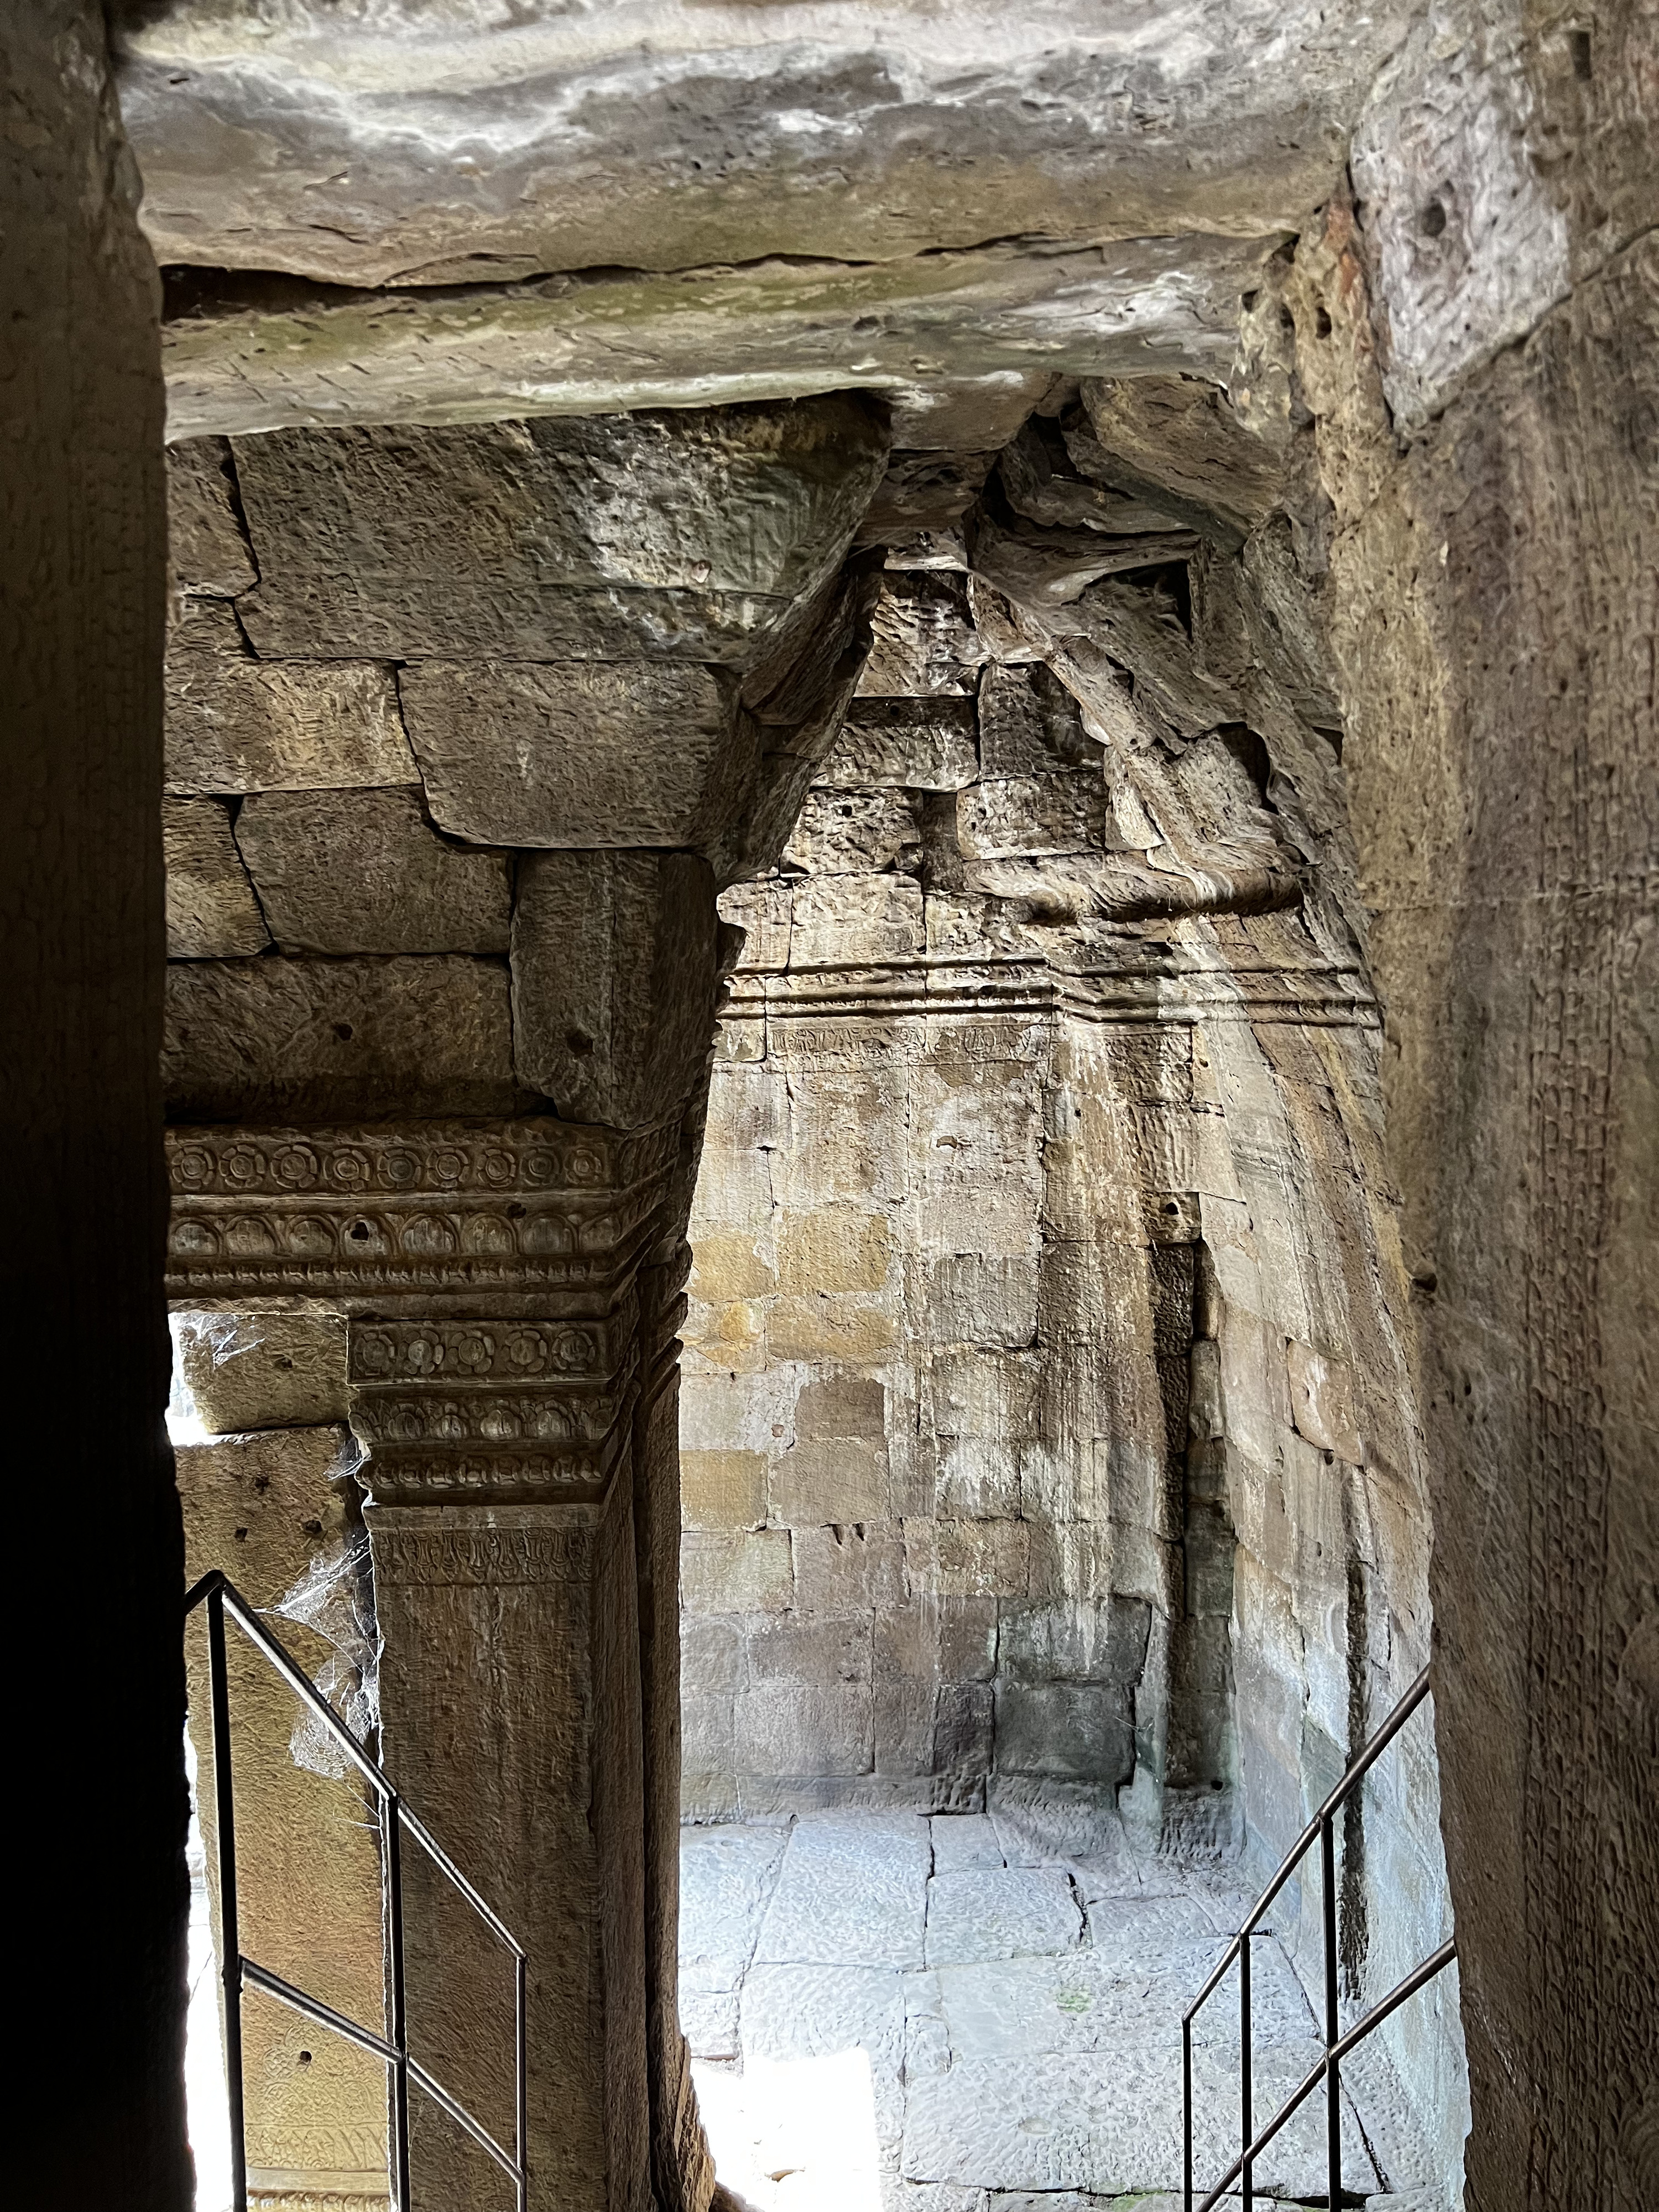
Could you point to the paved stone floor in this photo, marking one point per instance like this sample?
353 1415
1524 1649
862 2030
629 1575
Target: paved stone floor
894 2013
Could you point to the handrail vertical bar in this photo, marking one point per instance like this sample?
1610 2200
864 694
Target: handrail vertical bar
1187 2114
1244 2041
1332 2027
392 1845
519 2145
230 1939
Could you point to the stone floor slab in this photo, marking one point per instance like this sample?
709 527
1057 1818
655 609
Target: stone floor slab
726 1874
852 1891
1108 2123
963 1841
818 2011
1006 1913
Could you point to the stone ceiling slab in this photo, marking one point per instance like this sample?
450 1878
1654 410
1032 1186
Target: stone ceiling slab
964 342
420 144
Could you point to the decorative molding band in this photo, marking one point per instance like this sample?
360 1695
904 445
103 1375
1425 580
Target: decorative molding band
516 1409
450 1546
1319 994
424 1211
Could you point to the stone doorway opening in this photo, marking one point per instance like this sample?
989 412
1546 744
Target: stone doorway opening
1052 1518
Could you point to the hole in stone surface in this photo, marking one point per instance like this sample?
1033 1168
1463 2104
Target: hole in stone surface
1580 43
345 1031
579 1041
241 1535
1432 220
1322 323
359 1232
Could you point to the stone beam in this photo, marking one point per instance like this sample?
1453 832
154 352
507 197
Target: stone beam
262 352
406 145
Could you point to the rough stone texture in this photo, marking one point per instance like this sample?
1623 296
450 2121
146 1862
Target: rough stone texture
258 1371
326 147
572 754
1508 692
208 550
613 966
949 337
364 871
1052 2057
1047 1296
921 745
280 1040
212 912
83 582
683 535
281 1515
235 724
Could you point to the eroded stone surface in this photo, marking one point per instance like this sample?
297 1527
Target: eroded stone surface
274 1040
236 724
207 549
325 146
613 973
683 535
573 754
364 871
260 1371
982 1913
212 912
852 1891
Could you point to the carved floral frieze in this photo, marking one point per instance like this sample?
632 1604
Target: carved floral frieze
441 1208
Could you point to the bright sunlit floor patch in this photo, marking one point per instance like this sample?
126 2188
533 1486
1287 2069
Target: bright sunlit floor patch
794 2134
206 2107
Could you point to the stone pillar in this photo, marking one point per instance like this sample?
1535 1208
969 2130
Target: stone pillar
510 1290
97 1946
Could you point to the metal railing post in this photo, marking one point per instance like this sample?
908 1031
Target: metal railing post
1244 2041
1332 2027
392 1847
230 1940
221 1597
1319 1829
521 2143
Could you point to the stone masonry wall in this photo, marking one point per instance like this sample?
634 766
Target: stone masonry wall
1047 1441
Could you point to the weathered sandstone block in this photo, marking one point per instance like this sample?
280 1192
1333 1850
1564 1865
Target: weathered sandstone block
278 1514
924 645
237 724
925 744
365 871
1029 723
613 990
573 754
212 912
688 533
275 1040
206 548
851 832
1000 819
260 1371
722 1489
843 920
737 1573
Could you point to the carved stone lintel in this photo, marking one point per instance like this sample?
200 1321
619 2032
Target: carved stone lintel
516 1409
436 1216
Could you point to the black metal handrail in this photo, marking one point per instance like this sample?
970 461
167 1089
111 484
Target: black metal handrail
1320 1829
237 1971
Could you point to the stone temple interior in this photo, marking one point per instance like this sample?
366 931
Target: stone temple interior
833 1022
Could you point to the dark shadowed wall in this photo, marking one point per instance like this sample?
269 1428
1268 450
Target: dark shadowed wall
81 585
